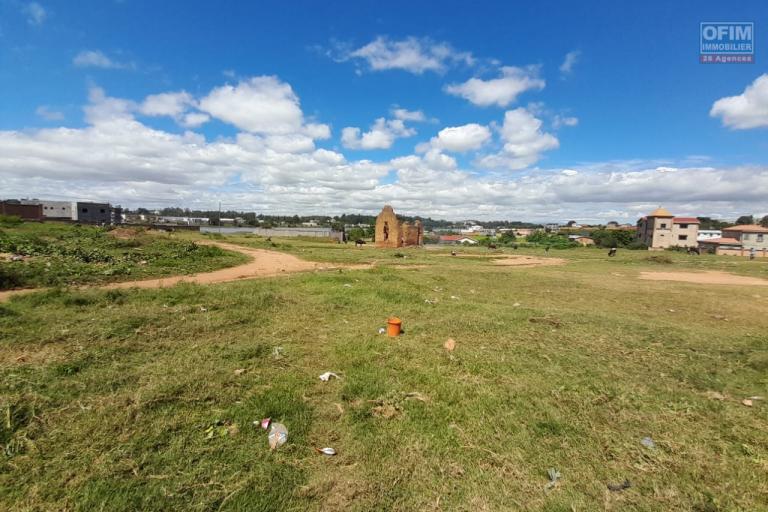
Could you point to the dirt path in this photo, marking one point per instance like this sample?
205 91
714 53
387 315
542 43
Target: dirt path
510 260
710 277
531 261
263 263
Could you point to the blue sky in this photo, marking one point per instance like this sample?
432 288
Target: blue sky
536 110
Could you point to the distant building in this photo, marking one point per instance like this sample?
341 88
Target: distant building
552 228
524 231
707 234
581 240
660 230
277 232
138 218
739 241
53 209
472 228
93 213
615 225
456 240
25 211
184 221
392 232
116 215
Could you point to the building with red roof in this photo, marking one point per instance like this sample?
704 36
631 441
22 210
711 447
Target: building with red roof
660 230
742 240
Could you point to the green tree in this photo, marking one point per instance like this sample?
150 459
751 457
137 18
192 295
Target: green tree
507 238
746 219
613 237
356 233
764 221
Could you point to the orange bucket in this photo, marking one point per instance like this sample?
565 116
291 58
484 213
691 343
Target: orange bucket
393 326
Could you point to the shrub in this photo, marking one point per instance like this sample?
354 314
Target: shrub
9 221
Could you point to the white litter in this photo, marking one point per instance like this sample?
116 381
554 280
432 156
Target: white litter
325 377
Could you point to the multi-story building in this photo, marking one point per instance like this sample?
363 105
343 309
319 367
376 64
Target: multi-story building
740 240
660 230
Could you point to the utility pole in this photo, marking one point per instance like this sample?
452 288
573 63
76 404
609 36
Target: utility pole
219 217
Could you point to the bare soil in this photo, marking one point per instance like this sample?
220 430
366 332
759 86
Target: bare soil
124 233
528 261
711 277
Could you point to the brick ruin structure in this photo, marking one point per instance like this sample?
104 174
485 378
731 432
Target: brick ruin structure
392 233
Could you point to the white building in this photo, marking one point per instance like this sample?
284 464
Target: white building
188 221
55 209
472 229
708 234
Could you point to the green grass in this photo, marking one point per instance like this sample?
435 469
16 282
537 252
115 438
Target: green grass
58 254
106 396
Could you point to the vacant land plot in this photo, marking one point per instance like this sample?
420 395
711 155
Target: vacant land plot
145 399
40 255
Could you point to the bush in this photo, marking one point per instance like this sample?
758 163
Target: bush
608 238
8 278
9 221
550 240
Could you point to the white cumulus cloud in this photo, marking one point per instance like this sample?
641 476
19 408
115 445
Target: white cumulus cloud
747 110
260 104
415 55
176 105
523 139
194 119
461 138
381 135
409 115
171 104
499 91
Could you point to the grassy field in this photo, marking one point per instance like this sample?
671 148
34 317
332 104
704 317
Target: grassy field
57 254
130 400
